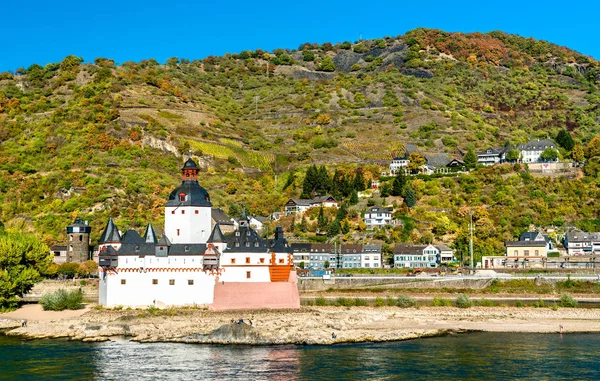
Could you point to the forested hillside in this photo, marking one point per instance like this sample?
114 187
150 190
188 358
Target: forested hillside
99 139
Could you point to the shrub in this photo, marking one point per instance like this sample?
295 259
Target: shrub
405 301
361 302
441 302
463 301
345 302
62 300
485 303
519 303
567 301
390 301
83 282
379 302
539 304
321 301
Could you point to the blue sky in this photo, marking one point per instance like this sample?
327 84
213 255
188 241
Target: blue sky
131 30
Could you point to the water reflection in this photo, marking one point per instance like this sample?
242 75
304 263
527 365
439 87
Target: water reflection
471 357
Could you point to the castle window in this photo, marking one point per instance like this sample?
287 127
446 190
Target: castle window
233 261
177 232
190 282
183 212
255 244
123 281
171 282
137 249
247 244
237 244
187 248
248 276
71 237
80 238
172 212
247 259
262 260
182 197
154 281
280 260
196 211
237 233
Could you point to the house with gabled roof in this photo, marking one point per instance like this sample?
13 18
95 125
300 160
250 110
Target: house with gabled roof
301 205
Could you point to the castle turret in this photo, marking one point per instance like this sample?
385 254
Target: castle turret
78 237
188 210
110 236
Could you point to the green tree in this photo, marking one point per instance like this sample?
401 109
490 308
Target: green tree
398 184
304 225
549 154
410 199
564 139
326 65
513 155
470 159
308 55
23 260
321 220
593 148
345 225
359 181
385 190
354 198
342 212
334 228
326 264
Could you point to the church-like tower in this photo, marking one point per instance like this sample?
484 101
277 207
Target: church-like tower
188 211
78 236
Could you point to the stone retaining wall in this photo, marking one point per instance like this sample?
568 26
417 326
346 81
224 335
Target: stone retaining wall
48 286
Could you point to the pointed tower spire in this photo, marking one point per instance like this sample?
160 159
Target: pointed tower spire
216 236
110 234
150 235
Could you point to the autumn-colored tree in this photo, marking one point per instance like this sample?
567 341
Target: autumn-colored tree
323 119
593 147
416 161
578 154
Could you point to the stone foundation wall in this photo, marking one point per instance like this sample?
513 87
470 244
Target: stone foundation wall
48 286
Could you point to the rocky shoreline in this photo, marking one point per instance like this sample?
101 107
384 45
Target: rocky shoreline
307 326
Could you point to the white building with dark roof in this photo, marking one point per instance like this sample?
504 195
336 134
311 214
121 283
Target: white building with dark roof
377 217
532 150
194 263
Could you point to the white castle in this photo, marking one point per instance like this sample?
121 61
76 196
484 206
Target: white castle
194 263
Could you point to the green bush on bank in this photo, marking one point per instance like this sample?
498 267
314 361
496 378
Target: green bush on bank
405 301
463 301
62 300
441 302
567 301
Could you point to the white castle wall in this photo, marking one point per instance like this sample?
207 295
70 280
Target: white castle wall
184 225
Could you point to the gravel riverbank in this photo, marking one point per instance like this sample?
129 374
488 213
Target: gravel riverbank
309 325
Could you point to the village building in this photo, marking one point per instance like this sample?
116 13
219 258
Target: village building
532 150
492 156
377 217
194 262
226 224
582 243
316 256
78 248
421 256
300 205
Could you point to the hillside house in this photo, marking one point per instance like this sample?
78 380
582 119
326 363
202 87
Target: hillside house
361 256
426 256
314 255
377 217
532 253
300 205
492 156
581 243
532 150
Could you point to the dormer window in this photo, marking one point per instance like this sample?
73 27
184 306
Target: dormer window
237 233
187 248
181 197
137 249
255 244
247 244
237 244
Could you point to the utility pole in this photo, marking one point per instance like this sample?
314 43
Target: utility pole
471 239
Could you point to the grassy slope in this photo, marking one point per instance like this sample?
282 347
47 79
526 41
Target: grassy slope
94 129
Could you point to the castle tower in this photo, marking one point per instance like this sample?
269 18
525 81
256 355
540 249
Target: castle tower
78 241
110 236
188 210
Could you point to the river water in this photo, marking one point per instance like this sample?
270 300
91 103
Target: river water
475 356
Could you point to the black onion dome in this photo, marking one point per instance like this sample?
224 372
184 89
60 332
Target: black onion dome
193 195
190 164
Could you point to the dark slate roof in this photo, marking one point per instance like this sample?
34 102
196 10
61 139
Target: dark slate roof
299 201
136 249
438 159
379 209
110 234
190 163
322 248
131 237
525 243
150 235
261 219
537 145
352 249
443 248
495 151
579 236
372 248
174 249
321 199
220 217
164 241
195 195
403 248
279 244
78 222
300 247
528 236
108 250
216 235
236 242
187 249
